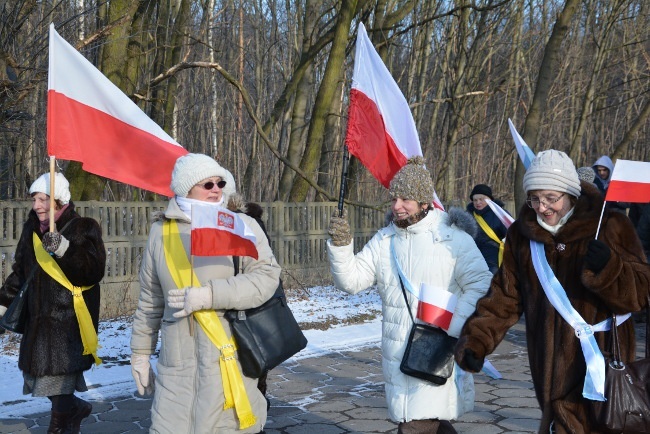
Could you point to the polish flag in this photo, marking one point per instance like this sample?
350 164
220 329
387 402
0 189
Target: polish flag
92 121
505 218
381 131
630 182
436 306
217 231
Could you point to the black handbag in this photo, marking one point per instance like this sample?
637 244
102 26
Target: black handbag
266 335
15 317
627 409
429 353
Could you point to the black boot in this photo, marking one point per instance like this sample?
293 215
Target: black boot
81 410
60 423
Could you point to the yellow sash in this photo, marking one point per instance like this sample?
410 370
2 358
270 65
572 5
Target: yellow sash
183 276
86 327
490 233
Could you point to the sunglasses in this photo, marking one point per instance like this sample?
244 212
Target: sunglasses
210 185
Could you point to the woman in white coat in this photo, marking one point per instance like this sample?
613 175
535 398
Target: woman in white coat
194 363
431 249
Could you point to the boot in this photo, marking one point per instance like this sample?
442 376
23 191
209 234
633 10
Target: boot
80 411
60 423
426 426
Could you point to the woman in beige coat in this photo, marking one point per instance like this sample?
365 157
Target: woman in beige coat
188 390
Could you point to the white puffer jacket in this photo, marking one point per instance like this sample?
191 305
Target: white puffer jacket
432 251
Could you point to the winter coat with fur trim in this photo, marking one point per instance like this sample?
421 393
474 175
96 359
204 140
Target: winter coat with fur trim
556 361
433 251
51 344
189 395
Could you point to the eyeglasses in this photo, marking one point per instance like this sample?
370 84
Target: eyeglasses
210 185
534 202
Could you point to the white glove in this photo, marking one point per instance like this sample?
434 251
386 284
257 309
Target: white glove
189 299
3 309
145 379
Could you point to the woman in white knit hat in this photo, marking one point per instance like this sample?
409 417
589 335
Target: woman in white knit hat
599 276
189 395
435 249
53 351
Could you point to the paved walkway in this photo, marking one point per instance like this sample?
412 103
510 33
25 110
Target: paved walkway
342 392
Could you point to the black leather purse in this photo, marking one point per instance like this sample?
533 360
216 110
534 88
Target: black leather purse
266 335
15 318
429 353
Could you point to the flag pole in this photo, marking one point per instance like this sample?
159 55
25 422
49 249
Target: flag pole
191 316
344 178
600 220
52 203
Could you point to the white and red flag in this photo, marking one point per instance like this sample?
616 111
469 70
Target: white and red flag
381 131
92 121
436 306
630 182
502 214
217 231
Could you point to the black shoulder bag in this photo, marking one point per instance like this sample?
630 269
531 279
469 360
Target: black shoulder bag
627 409
266 335
15 317
429 353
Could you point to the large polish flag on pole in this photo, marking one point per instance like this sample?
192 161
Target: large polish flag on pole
217 231
381 131
92 121
630 182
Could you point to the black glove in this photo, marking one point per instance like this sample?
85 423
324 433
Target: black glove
471 362
51 241
597 256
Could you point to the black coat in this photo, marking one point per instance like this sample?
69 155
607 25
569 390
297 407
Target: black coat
51 344
488 247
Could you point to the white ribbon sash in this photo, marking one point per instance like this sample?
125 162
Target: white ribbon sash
594 387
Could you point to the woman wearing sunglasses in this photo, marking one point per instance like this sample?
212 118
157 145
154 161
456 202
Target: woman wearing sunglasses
189 393
555 234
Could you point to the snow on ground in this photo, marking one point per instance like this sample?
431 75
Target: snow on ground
331 320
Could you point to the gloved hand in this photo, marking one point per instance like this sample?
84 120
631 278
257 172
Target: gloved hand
597 256
54 242
339 229
190 299
145 379
469 361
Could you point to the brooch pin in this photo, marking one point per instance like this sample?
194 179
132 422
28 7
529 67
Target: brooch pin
560 247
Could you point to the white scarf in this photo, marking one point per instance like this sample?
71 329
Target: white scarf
185 204
554 229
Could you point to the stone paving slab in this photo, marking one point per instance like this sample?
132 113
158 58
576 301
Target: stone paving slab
343 392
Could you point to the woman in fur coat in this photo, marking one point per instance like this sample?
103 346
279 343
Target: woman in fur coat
198 373
430 249
601 277
53 355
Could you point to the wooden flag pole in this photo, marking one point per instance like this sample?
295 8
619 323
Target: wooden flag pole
52 203
344 178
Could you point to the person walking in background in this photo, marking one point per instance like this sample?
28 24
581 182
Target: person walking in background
189 392
430 249
600 277
603 168
491 232
53 355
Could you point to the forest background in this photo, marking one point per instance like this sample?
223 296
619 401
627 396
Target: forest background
263 85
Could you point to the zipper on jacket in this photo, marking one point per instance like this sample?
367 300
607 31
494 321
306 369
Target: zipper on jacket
196 378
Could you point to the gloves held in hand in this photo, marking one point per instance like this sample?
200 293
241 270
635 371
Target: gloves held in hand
145 379
597 256
54 242
189 299
471 362
339 229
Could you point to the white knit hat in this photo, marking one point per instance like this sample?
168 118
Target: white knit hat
552 170
192 168
61 187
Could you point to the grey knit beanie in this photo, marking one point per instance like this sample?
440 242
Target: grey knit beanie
552 170
413 181
586 173
193 168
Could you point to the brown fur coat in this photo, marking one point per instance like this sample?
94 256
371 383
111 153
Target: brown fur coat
556 361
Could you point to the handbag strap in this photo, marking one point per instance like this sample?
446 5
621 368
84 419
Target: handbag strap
408 306
614 341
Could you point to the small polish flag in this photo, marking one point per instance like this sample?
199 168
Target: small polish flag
630 182
217 231
436 306
505 218
381 131
92 121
